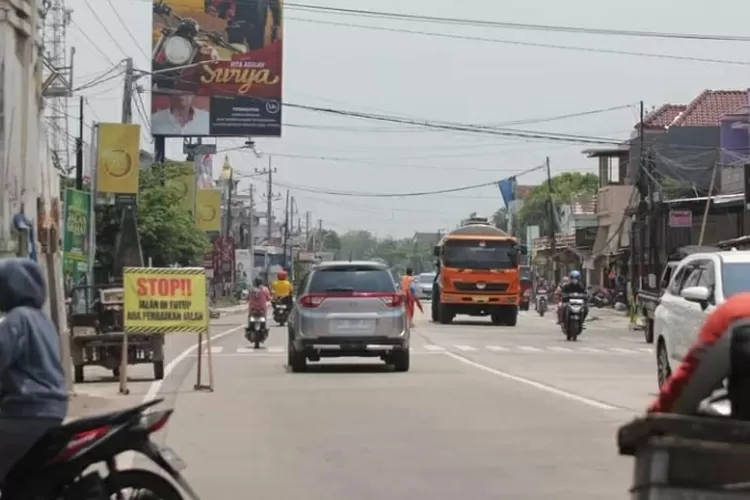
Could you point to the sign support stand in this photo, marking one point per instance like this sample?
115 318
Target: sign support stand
124 365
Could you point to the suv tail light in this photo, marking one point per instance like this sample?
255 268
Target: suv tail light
311 301
394 300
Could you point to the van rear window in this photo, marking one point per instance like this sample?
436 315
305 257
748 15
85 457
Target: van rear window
351 279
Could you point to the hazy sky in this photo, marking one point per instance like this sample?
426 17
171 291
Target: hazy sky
433 78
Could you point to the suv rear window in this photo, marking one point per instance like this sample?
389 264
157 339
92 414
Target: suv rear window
351 279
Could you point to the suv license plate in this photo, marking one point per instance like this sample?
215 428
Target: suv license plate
353 326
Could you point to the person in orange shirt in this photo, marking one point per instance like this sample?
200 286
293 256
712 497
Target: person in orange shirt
676 395
409 289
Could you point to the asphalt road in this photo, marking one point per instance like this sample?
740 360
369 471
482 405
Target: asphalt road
485 412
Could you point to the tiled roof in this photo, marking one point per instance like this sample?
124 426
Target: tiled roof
707 109
663 116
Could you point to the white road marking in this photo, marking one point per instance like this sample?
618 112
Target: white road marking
126 459
591 349
245 350
646 349
465 348
215 350
497 348
434 348
559 349
621 350
276 349
527 348
532 383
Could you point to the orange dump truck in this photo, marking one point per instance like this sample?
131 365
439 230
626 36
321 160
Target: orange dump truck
478 274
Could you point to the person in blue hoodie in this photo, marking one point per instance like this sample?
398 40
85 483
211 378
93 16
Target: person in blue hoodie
33 392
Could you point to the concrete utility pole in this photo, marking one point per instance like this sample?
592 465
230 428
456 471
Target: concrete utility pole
127 93
270 196
308 217
320 236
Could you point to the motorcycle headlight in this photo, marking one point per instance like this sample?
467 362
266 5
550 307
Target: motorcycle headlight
262 320
178 50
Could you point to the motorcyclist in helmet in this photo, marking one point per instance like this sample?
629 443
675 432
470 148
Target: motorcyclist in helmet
258 298
573 285
281 289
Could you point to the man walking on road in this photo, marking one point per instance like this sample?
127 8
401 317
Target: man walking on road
409 289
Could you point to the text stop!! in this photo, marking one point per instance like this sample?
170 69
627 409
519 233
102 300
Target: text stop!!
164 287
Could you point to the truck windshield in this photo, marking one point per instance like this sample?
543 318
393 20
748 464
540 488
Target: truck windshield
735 277
475 254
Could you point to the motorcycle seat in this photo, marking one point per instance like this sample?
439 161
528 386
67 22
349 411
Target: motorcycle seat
101 419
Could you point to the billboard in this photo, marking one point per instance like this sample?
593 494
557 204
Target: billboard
183 181
217 68
118 158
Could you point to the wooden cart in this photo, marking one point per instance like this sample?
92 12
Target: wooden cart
96 335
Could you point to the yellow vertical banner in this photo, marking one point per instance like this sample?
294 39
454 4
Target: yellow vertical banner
208 210
184 184
118 158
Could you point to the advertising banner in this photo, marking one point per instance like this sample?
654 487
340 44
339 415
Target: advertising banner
77 227
165 300
238 91
184 184
118 158
208 210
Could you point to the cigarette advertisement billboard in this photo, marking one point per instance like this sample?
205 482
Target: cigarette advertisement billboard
216 68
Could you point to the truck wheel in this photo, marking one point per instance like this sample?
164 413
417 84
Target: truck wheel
78 374
445 315
511 317
497 318
158 370
648 331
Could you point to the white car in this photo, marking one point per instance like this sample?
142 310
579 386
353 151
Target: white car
698 284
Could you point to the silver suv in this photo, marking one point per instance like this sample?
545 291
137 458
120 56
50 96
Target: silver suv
348 309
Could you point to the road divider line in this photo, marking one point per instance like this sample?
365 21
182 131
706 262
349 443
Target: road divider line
126 459
434 348
533 383
497 348
559 349
465 348
527 348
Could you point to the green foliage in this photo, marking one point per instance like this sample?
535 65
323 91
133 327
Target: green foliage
500 218
396 253
167 231
565 187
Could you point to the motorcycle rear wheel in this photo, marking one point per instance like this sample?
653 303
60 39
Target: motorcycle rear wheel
143 485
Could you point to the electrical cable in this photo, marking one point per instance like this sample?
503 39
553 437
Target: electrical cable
92 43
101 23
511 25
540 45
439 125
127 30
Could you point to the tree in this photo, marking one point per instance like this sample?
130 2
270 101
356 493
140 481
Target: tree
358 245
167 231
500 218
565 187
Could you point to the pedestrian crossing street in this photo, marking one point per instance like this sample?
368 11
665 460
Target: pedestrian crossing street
469 349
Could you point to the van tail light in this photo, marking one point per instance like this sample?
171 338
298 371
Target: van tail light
311 301
394 300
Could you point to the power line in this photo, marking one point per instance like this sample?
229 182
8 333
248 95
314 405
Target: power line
104 26
127 30
92 43
511 25
530 135
524 44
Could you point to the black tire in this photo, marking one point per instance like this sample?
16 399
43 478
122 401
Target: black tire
648 331
434 307
663 370
496 318
297 361
541 312
116 372
400 360
159 487
256 344
511 318
78 374
159 370
445 315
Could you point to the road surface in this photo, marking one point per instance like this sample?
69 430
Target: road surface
486 412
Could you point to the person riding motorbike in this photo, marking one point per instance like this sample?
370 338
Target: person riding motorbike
282 289
33 392
573 285
720 320
258 298
542 289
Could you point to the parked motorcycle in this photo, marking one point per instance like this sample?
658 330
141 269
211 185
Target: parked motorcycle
573 316
256 331
600 297
541 301
280 312
59 466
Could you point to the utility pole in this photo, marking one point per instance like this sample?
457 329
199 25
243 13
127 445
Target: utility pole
287 219
127 94
552 224
79 147
643 190
228 219
269 205
308 216
320 235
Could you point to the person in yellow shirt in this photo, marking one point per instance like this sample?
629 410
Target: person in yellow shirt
281 289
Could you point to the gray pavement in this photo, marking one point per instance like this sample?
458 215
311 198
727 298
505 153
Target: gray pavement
485 412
